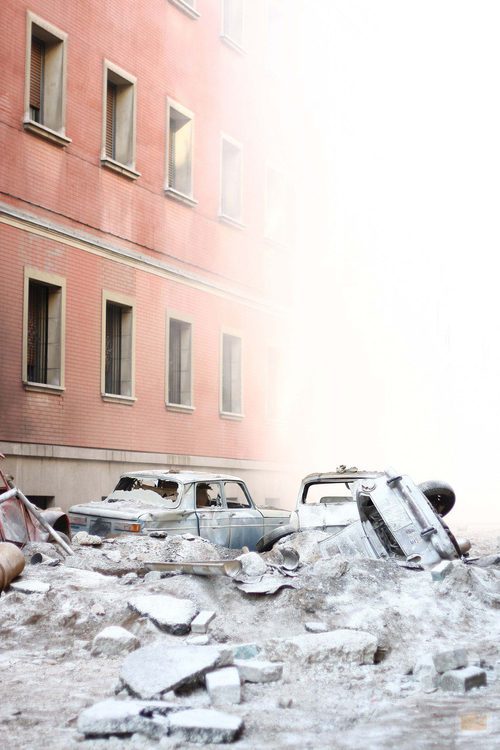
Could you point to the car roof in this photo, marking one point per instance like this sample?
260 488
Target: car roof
184 477
350 475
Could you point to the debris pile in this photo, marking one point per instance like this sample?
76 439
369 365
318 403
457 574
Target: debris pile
138 657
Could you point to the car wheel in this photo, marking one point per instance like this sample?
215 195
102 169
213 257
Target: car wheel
268 541
440 495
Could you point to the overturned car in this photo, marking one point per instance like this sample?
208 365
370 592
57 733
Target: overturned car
218 507
376 515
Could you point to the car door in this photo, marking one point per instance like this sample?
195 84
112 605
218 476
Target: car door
212 513
247 523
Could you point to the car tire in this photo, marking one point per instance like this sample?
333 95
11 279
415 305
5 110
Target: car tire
268 541
440 495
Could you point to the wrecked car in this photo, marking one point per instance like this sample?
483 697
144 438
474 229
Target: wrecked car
217 507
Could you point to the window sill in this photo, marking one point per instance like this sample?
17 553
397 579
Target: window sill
186 8
51 135
116 166
231 416
180 407
55 390
114 398
231 222
232 44
181 197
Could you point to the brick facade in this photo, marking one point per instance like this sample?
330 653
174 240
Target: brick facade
64 213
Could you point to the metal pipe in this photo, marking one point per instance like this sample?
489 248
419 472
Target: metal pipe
11 563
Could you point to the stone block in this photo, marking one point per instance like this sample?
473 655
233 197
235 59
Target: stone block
114 640
123 717
198 640
202 621
205 726
257 670
224 686
444 661
334 647
252 565
30 586
441 570
166 612
463 680
426 673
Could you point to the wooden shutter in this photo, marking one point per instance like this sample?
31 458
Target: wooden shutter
36 73
110 119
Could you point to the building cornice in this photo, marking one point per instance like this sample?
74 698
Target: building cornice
80 240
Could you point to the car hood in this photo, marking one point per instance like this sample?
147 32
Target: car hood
121 504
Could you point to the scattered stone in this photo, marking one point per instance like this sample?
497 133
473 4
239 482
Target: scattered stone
198 640
154 670
115 555
441 570
426 673
463 680
202 620
224 686
119 717
246 651
153 575
167 612
114 640
335 647
252 564
205 726
30 586
189 537
444 661
316 627
98 610
285 703
257 670
86 540
128 578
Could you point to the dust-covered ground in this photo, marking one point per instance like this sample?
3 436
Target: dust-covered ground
48 674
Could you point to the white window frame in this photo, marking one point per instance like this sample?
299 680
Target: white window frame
126 302
56 130
171 190
230 414
235 44
181 317
235 221
120 77
57 347
188 8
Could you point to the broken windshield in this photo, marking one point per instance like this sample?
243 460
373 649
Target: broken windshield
150 488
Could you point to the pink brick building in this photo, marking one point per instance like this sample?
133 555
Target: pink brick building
145 241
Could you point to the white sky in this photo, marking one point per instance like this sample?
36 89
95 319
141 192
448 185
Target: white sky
401 268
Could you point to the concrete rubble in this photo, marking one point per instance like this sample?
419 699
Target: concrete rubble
174 659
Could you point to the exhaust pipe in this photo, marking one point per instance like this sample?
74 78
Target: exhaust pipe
11 563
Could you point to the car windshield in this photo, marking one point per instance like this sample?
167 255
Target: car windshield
327 492
166 489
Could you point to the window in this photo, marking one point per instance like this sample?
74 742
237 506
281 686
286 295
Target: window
180 151
231 177
276 206
118 344
236 496
232 21
231 374
179 392
208 495
188 6
118 136
44 322
45 89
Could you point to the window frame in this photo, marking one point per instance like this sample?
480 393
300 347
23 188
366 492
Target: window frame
127 302
119 77
171 406
170 190
230 414
224 217
189 10
55 135
53 280
237 46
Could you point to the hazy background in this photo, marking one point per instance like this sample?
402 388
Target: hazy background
397 355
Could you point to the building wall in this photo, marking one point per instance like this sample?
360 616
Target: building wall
62 212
